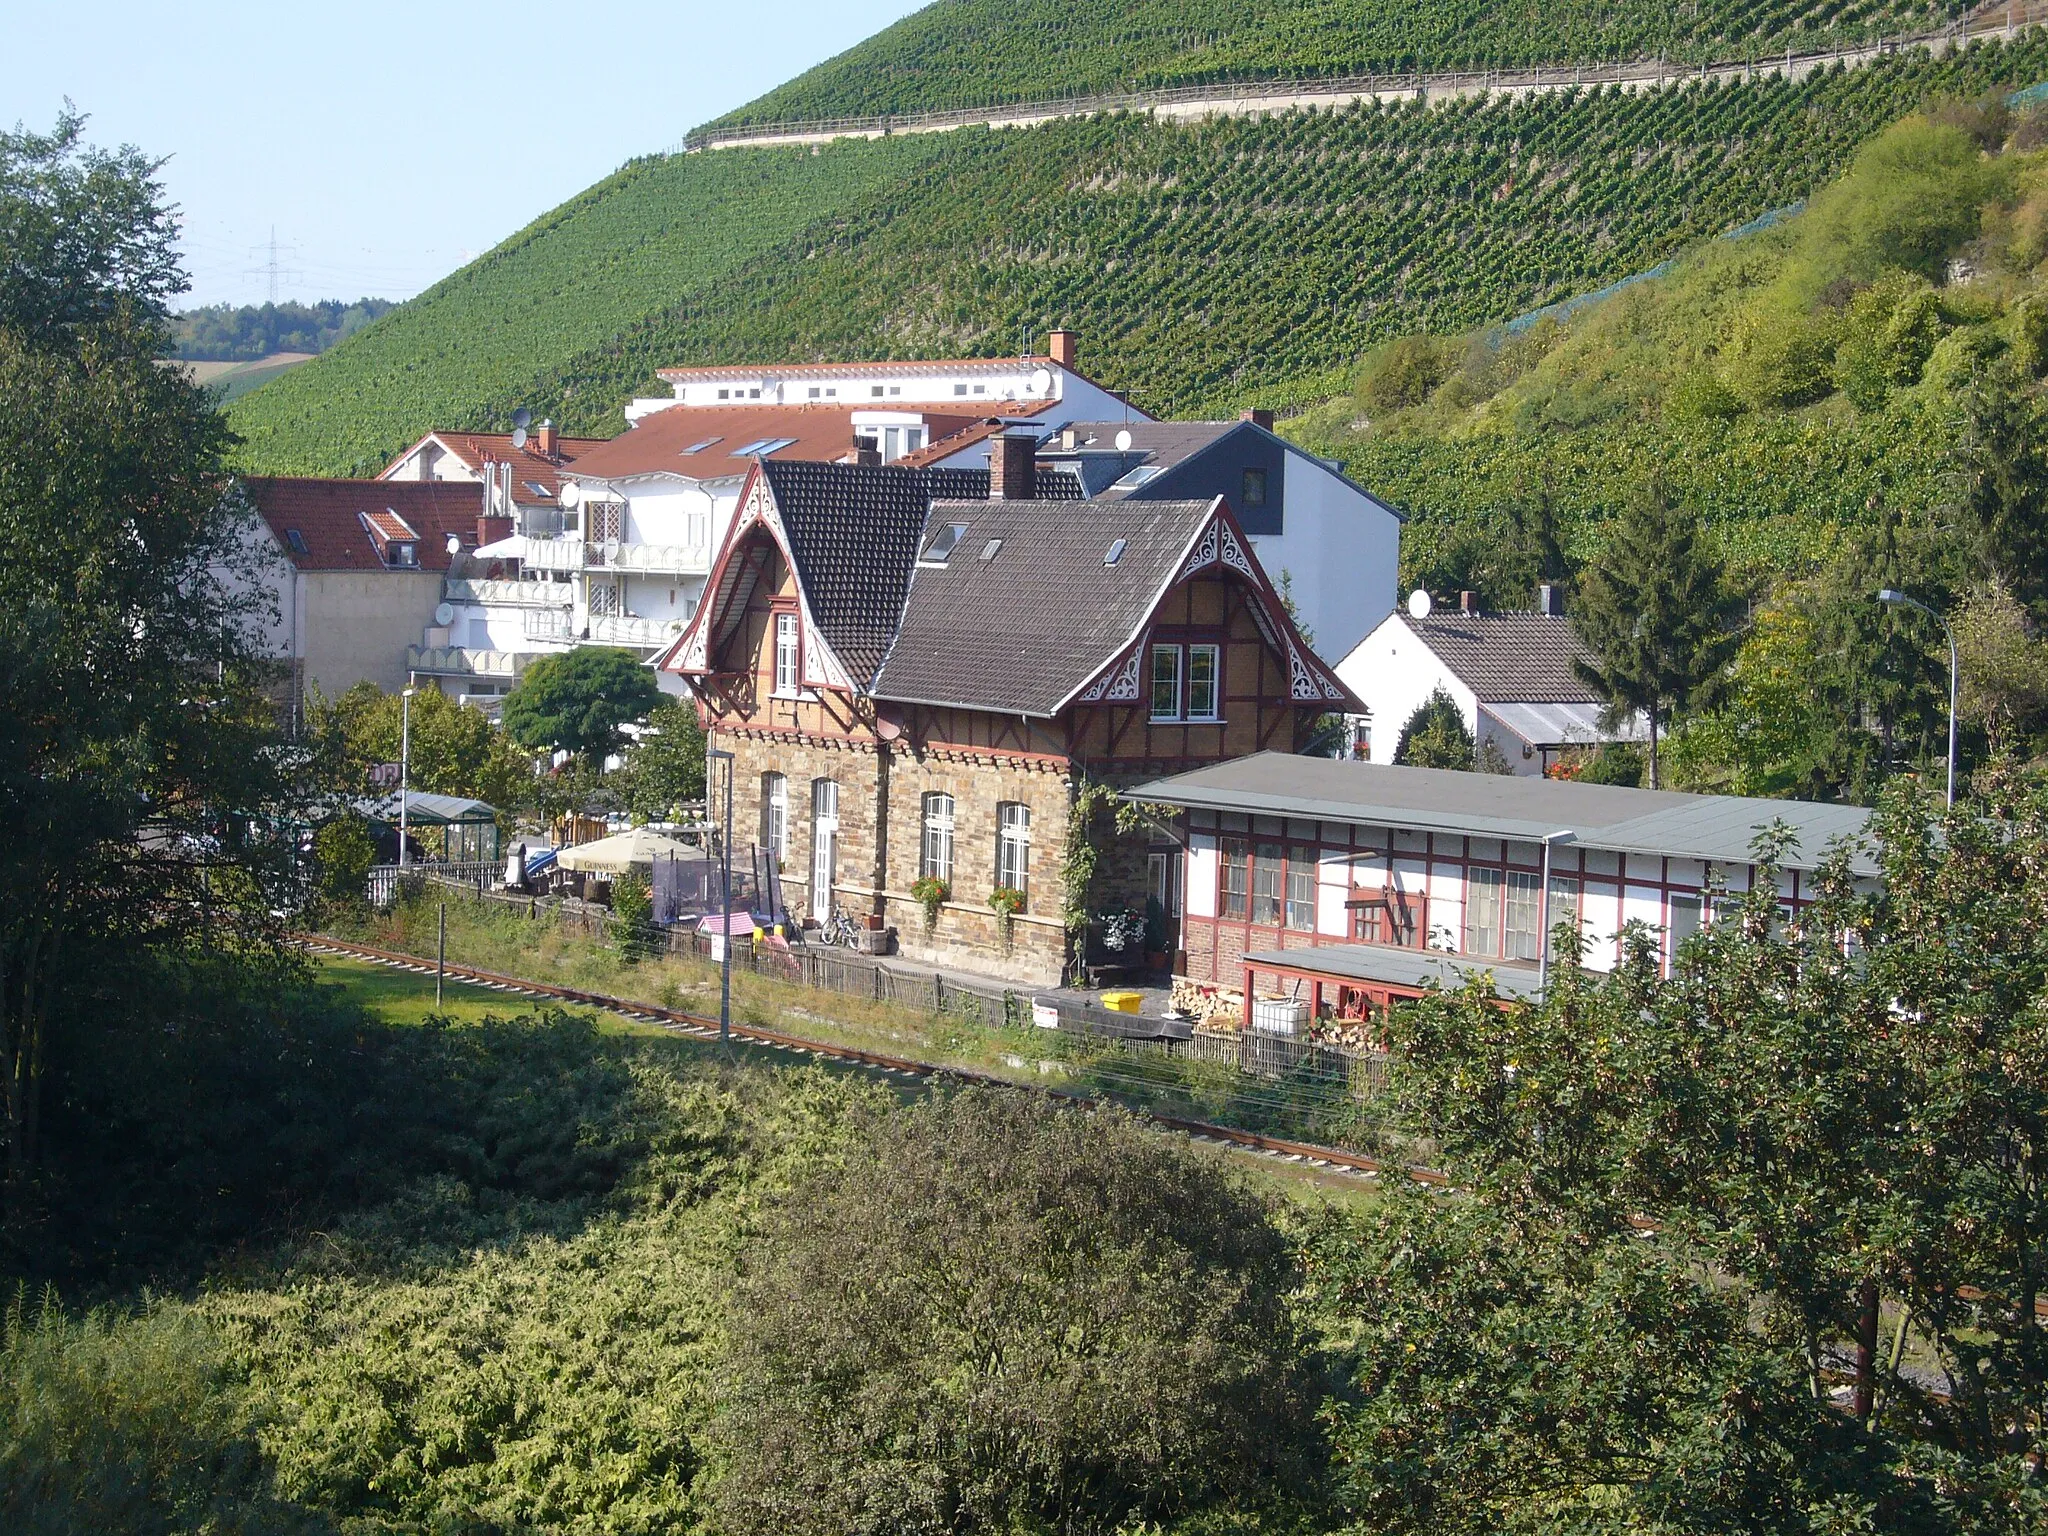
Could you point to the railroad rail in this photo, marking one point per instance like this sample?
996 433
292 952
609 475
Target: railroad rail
700 1026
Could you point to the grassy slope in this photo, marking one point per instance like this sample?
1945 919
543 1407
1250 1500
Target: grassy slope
465 353
975 52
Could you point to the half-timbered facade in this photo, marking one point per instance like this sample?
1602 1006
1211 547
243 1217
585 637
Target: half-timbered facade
1350 885
915 680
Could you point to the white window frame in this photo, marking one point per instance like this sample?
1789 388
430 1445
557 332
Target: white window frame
788 655
1013 846
1179 679
935 855
1214 711
1485 899
775 813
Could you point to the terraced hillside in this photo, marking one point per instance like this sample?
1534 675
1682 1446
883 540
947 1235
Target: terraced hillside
1206 265
468 351
972 53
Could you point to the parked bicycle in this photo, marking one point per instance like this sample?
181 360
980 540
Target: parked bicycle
839 930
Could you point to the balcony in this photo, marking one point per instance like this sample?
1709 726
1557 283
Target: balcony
619 630
506 594
659 559
461 661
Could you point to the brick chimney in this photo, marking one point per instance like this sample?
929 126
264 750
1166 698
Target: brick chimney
1064 347
1257 418
544 439
491 529
1468 602
1550 600
1013 468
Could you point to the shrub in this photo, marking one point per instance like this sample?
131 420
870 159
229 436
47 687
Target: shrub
343 852
1061 1321
1435 736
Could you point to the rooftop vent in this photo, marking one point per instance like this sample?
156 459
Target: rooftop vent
988 550
1116 552
1550 600
1468 603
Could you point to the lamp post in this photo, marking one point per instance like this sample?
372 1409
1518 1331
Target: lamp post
1550 841
404 766
1897 599
712 755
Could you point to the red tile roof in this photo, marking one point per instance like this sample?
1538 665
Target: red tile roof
330 518
818 433
840 370
475 449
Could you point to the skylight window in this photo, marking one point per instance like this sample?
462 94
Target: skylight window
940 550
700 446
988 550
540 490
296 539
1144 474
761 447
1116 552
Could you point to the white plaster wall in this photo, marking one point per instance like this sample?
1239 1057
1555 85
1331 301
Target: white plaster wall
1394 672
1523 757
1342 551
357 625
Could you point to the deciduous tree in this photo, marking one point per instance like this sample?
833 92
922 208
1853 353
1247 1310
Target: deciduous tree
576 703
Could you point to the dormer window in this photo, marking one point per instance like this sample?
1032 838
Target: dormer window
402 555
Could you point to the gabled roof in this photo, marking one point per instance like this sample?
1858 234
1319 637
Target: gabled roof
530 467
1024 629
662 443
1508 657
331 518
1722 828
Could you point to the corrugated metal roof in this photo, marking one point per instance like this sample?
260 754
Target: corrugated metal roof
1553 725
1722 828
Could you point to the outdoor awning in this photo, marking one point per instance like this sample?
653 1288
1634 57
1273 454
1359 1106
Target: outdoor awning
1382 965
425 810
623 851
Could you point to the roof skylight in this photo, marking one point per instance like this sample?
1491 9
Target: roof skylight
940 550
1144 474
762 446
988 550
296 539
1116 552
539 490
700 446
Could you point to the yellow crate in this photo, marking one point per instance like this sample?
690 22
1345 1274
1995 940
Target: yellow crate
1122 1002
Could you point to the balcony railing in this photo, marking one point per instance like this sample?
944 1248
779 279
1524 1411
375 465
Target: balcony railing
461 661
506 594
567 554
619 630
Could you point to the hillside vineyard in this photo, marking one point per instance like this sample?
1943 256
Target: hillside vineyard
1203 263
972 53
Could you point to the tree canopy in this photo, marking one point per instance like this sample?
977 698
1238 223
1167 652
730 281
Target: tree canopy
576 703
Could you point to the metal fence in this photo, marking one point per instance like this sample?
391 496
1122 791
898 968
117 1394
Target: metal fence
385 882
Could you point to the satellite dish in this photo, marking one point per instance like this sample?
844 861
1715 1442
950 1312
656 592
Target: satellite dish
445 615
571 495
1418 604
1123 441
454 543
1041 382
519 436
522 418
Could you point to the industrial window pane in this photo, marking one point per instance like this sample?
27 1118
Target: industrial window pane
1301 892
1482 911
1236 879
1202 662
1267 865
1165 682
1525 916
937 860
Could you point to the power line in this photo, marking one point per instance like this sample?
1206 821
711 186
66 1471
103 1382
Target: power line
271 268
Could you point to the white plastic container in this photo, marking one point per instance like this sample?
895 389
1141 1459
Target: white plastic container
1279 1015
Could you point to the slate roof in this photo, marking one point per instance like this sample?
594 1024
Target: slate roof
1021 631
1722 828
1505 657
329 517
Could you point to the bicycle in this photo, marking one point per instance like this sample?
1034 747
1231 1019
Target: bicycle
839 930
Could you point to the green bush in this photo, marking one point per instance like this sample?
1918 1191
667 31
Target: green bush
1062 1321
343 852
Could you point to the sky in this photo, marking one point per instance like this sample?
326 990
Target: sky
387 144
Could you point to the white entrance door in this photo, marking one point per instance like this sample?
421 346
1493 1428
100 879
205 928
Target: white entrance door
824 845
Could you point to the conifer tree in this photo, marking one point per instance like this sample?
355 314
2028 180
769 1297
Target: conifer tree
1656 611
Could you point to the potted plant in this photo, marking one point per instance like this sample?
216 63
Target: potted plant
931 893
1007 901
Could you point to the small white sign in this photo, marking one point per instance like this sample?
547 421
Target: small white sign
1044 1015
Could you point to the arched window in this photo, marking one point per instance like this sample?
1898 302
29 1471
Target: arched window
936 860
775 814
1013 847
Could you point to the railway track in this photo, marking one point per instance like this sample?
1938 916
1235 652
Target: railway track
698 1026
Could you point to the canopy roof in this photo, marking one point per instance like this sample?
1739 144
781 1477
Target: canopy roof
425 810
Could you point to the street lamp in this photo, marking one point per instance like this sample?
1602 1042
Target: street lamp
1551 840
404 767
1897 599
711 755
